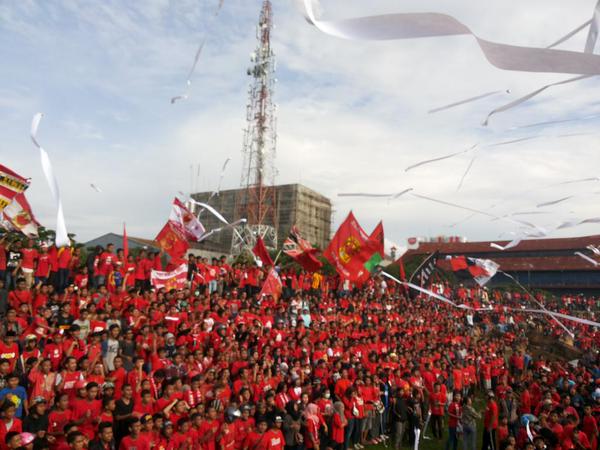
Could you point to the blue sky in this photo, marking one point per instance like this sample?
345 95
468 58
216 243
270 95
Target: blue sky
351 117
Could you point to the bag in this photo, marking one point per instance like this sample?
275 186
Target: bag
355 411
459 429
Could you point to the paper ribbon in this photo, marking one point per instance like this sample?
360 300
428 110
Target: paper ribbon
511 244
596 250
373 195
62 238
441 158
467 171
421 25
570 34
211 210
96 188
220 179
587 258
592 37
555 202
529 435
462 102
532 297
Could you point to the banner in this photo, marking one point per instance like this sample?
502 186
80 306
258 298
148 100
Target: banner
348 251
260 251
272 285
20 216
188 223
169 280
422 274
171 240
11 184
298 248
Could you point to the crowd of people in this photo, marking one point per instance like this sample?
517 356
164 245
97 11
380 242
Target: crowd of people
92 356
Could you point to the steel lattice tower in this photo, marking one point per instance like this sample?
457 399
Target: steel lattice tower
257 200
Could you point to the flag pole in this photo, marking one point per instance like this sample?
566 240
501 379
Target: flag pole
277 258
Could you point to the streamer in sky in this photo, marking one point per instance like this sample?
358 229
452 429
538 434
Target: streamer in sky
467 170
420 25
468 100
96 188
554 202
372 195
441 158
62 238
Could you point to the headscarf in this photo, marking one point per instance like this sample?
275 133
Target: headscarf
292 411
338 407
312 412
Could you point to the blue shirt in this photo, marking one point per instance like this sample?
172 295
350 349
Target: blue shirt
18 396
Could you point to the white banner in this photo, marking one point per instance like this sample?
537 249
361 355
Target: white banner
62 238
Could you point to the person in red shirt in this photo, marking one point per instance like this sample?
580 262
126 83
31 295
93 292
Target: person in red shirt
274 437
60 415
257 440
86 411
64 262
209 430
29 257
9 349
338 425
21 295
454 418
490 423
134 441
8 421
106 262
438 401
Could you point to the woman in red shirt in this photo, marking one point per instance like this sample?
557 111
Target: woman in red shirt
338 424
312 424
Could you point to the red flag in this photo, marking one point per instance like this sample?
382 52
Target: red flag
349 250
261 252
272 285
172 241
298 248
125 243
376 240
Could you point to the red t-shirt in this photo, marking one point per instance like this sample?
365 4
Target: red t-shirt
490 419
139 443
454 410
43 266
29 256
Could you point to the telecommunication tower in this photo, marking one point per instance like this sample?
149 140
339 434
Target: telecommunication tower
257 200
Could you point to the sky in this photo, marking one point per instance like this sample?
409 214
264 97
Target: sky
351 115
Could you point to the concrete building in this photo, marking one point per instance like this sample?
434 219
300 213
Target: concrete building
296 205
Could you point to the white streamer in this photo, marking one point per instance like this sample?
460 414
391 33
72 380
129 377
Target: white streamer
96 188
420 25
570 34
554 202
596 250
220 178
511 244
462 102
373 195
587 258
62 238
441 158
592 38
467 171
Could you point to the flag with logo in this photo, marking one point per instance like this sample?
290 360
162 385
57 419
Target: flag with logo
174 279
188 223
299 249
481 270
19 216
349 250
272 285
11 184
172 240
